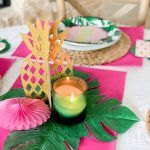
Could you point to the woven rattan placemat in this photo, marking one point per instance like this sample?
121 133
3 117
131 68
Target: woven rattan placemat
102 56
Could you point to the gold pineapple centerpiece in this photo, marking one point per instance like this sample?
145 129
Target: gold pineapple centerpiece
45 45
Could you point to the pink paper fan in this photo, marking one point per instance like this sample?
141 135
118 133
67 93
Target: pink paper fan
23 113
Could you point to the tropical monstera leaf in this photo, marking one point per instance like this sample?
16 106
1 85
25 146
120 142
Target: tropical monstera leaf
57 136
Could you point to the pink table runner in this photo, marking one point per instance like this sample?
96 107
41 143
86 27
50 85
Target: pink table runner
129 59
5 64
108 85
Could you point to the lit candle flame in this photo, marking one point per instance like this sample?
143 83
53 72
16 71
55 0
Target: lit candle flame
67 78
72 97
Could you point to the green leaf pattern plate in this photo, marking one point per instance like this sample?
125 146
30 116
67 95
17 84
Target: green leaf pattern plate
113 31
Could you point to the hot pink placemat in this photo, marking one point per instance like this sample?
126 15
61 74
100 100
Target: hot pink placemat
5 64
112 84
127 60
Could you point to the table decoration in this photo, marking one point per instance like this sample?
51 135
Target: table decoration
98 114
44 44
69 97
4 45
108 112
35 75
113 33
107 80
23 113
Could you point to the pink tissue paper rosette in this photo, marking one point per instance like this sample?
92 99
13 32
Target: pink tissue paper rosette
23 113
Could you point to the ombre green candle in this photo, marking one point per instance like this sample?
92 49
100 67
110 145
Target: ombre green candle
69 97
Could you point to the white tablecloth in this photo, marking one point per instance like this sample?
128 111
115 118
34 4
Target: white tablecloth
136 94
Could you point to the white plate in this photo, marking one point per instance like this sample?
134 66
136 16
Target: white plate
86 47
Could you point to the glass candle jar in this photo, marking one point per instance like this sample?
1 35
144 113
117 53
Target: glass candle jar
69 97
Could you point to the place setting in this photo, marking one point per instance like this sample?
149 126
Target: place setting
110 47
56 100
92 40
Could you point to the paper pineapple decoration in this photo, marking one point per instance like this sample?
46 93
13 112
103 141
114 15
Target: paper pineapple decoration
45 45
62 64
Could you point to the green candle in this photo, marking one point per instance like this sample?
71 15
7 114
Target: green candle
69 96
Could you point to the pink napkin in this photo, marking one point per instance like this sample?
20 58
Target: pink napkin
108 85
127 60
5 64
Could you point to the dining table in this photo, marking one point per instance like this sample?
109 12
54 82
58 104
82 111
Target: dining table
136 93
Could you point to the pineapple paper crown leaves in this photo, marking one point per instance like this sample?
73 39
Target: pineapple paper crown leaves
37 40
44 41
45 44
60 58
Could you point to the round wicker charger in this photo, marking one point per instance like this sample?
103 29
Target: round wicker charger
102 56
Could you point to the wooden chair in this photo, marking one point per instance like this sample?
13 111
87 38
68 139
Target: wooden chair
128 5
62 8
12 15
